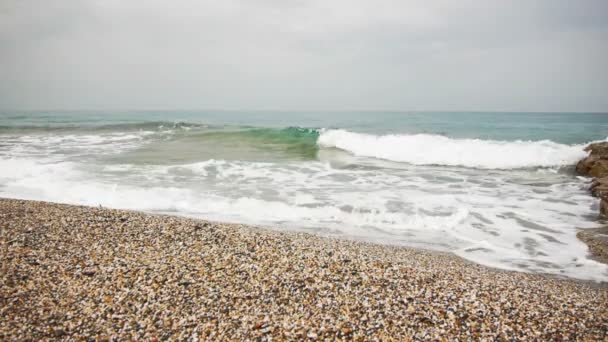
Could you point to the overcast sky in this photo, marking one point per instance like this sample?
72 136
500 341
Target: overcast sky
544 55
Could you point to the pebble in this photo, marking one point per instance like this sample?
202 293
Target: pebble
79 273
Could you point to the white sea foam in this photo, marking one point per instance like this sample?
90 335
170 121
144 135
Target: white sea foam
516 219
426 149
45 145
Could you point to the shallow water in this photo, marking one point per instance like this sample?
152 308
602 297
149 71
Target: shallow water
495 188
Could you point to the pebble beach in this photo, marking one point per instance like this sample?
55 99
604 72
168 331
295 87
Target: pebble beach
73 272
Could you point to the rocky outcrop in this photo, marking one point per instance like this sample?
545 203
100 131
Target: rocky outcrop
599 189
597 240
596 165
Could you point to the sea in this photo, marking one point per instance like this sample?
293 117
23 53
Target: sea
499 189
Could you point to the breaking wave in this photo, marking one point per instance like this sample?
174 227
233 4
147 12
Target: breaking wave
305 143
427 149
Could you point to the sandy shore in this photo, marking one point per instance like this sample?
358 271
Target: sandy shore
72 272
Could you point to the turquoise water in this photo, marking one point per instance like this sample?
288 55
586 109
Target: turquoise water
567 128
495 188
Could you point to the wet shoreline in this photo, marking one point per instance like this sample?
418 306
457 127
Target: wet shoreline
73 271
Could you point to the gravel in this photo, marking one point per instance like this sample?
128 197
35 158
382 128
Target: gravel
71 272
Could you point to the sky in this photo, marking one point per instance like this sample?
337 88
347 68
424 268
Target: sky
484 55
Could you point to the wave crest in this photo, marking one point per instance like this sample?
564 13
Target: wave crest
427 149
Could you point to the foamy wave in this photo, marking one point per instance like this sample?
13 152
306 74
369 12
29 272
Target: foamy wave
421 206
426 149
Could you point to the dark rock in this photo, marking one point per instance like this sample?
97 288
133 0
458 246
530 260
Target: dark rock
597 240
599 149
599 189
599 168
584 165
596 164
59 333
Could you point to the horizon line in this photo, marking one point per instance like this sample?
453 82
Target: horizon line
307 110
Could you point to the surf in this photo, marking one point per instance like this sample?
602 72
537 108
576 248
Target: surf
429 149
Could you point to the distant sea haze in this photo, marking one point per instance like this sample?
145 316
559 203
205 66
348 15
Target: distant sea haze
495 188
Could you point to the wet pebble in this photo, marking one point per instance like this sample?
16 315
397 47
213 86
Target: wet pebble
93 273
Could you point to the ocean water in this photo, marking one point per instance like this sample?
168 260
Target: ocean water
495 188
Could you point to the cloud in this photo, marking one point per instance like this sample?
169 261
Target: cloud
541 55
